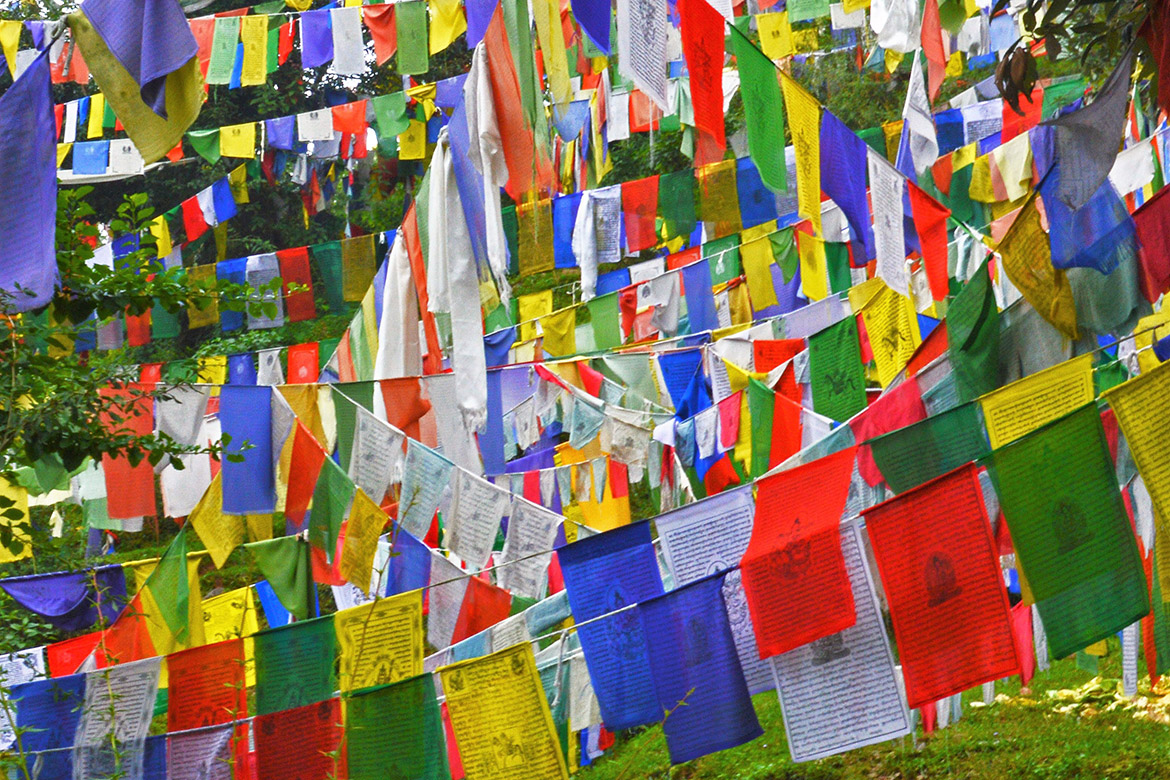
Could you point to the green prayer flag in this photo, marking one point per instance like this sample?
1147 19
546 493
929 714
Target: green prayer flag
170 588
223 49
331 499
837 260
325 350
763 109
273 59
519 29
346 413
396 731
328 258
784 252
109 120
512 233
284 562
803 10
959 200
205 143
1088 663
838 378
952 14
910 456
973 337
604 319
294 665
761 402
498 319
411 24
875 138
390 114
1073 539
676 202
163 324
724 259
1060 94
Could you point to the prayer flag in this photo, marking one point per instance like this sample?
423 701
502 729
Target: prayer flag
396 731
793 571
249 485
294 665
1073 539
762 109
381 642
941 576
304 742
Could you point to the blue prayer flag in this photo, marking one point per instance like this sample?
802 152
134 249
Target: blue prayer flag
695 667
249 486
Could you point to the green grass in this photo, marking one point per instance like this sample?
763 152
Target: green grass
1023 737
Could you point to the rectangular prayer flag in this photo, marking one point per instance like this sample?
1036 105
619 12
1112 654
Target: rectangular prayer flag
941 576
793 571
1021 407
396 731
294 665
1073 539
381 642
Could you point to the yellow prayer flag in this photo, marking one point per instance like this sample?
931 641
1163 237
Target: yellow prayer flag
230 615
849 6
805 41
162 235
964 156
757 259
238 181
743 441
260 526
497 704
62 153
814 270
552 45
892 325
534 234
530 308
381 642
981 188
97 112
18 497
209 315
955 65
254 37
775 35
1149 329
412 143
1027 259
448 22
213 370
1021 407
740 305
298 5
893 60
365 523
560 332
602 160
220 533
161 635
1142 406
804 122
238 140
892 132
10 42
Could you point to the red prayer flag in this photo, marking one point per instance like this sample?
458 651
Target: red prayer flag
930 220
298 743
303 470
303 363
769 353
294 269
896 408
527 170
1022 634
207 685
1156 31
138 329
683 258
1152 221
931 347
1014 124
793 571
932 47
644 113
128 639
66 656
640 205
350 117
720 476
150 373
702 43
787 430
379 20
405 404
433 359
286 41
729 420
194 225
204 32
129 489
942 580
484 605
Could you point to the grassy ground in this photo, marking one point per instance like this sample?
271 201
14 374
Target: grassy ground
1023 735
